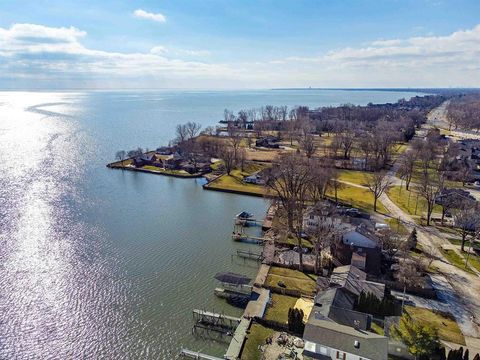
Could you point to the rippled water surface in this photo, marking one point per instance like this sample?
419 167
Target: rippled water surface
99 263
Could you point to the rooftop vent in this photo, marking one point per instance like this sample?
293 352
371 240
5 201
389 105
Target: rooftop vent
356 344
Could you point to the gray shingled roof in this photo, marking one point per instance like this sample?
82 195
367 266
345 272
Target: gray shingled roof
355 280
341 337
356 239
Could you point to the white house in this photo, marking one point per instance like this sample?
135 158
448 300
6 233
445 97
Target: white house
255 178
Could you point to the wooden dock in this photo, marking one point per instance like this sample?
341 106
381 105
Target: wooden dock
249 255
189 354
248 238
214 321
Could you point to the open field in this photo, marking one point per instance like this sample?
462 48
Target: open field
278 308
293 280
447 327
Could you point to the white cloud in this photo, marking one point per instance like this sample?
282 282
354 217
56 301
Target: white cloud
30 51
38 54
162 50
140 13
159 50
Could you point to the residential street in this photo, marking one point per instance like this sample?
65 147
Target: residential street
457 288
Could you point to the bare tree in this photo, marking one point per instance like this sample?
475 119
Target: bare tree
346 135
377 183
408 275
192 129
290 181
227 154
307 143
429 254
137 152
467 220
235 139
335 183
392 242
181 132
323 234
431 185
407 167
322 173
120 155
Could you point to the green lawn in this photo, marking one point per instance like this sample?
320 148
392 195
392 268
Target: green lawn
234 181
456 260
357 197
278 308
407 200
448 329
474 260
353 176
293 280
168 172
255 338
293 241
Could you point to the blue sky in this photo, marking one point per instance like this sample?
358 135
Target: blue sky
239 44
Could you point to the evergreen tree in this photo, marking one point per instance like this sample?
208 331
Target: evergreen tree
412 239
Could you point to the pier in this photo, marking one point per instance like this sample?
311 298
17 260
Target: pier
248 238
250 255
210 321
188 354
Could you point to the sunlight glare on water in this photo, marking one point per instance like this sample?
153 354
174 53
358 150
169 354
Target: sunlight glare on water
100 263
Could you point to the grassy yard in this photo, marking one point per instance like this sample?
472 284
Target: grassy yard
456 260
182 173
293 280
234 181
407 200
354 176
278 308
448 329
358 197
256 337
293 241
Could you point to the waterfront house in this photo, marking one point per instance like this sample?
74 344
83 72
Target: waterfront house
173 162
355 281
359 250
164 150
323 213
144 159
268 142
255 178
326 339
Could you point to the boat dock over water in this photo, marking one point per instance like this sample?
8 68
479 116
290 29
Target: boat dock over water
188 354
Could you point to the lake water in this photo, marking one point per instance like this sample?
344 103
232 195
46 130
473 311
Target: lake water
100 263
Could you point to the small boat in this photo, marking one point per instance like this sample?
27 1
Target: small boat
243 218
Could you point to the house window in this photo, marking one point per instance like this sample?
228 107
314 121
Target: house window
341 355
